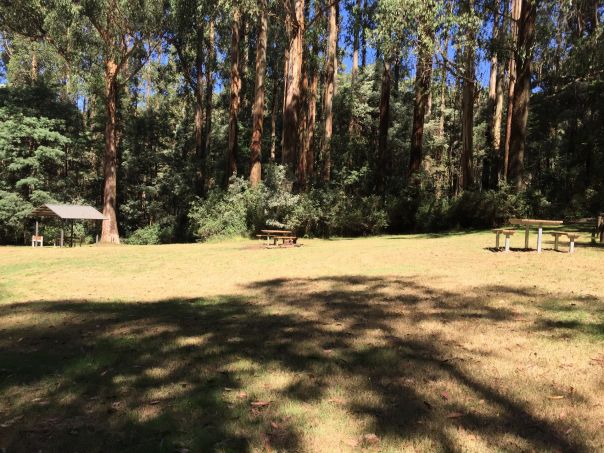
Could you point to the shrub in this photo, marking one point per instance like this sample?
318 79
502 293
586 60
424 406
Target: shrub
243 210
339 213
148 235
223 214
13 217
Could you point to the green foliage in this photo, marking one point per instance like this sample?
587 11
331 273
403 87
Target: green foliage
31 150
243 210
52 118
13 214
422 211
148 235
223 214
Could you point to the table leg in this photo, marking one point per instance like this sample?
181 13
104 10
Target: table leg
526 237
539 237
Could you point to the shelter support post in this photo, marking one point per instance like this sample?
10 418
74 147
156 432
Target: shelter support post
62 234
526 237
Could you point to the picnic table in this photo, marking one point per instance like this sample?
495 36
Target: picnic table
275 235
539 223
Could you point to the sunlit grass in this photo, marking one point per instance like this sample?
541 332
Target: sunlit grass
403 343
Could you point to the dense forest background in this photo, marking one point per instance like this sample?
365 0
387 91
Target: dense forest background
190 119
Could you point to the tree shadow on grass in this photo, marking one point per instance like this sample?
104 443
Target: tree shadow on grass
188 375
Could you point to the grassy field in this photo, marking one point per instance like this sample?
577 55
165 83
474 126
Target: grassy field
403 343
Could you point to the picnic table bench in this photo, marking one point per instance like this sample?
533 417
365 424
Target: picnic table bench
507 234
571 239
285 236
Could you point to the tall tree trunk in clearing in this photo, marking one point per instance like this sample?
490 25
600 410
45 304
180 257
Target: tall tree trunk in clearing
209 91
330 80
198 125
291 108
423 76
522 92
515 10
235 96
258 109
109 230
384 125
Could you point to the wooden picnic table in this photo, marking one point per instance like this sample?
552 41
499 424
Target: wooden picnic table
276 232
275 235
539 223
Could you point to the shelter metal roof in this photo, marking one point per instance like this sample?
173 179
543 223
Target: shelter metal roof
68 211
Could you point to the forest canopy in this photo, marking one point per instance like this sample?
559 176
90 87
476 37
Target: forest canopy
187 119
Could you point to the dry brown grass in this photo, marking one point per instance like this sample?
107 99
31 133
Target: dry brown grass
410 343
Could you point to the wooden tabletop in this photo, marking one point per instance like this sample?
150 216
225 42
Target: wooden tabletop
275 231
535 222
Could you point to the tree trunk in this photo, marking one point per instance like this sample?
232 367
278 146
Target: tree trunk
355 42
363 37
198 125
109 230
515 10
244 64
312 117
34 65
495 89
467 120
274 122
526 36
209 93
288 33
383 155
423 75
352 127
496 98
302 131
148 80
235 96
443 92
258 109
494 73
330 75
306 161
291 109
467 106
